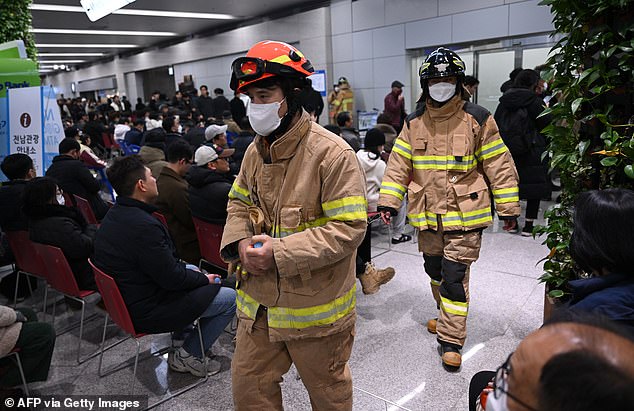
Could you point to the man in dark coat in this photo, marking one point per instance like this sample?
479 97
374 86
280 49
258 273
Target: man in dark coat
135 134
532 170
19 169
161 293
220 104
209 184
73 177
204 103
238 110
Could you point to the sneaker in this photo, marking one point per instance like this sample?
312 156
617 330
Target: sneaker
182 361
527 231
372 278
451 357
402 239
431 325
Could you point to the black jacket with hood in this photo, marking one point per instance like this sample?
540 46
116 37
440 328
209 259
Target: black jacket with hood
208 194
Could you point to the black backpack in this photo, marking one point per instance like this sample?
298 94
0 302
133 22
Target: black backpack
517 130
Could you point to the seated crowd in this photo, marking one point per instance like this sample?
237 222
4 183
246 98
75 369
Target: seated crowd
185 169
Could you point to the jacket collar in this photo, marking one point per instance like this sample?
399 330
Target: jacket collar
586 286
166 171
285 146
447 110
131 202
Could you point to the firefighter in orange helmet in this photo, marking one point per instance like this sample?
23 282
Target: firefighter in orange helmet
297 213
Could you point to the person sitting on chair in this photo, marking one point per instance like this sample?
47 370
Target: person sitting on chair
161 293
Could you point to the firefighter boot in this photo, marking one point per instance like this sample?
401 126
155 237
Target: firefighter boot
451 356
372 278
431 325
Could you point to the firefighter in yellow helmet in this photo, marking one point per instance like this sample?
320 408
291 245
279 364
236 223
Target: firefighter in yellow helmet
456 156
341 99
297 213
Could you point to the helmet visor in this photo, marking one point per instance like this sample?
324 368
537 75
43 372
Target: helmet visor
252 68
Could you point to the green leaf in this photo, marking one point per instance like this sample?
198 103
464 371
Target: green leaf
546 111
609 161
556 294
575 104
629 171
583 147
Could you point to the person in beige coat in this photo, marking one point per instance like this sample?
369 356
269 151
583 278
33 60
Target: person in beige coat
297 213
36 340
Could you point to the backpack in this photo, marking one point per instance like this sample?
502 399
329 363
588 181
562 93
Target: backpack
517 131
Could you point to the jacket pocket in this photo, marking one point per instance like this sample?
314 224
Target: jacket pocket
474 203
290 220
319 280
416 204
460 159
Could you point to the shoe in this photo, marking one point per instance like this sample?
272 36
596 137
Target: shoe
182 361
372 278
451 356
431 325
527 231
402 239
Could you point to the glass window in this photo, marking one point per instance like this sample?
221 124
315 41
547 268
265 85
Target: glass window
493 70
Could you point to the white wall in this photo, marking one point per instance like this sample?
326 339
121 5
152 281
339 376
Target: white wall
365 41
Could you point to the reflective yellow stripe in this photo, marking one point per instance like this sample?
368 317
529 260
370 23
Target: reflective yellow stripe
470 218
284 58
444 162
434 282
393 189
240 193
246 304
281 317
491 150
506 195
423 219
402 148
325 314
454 307
346 209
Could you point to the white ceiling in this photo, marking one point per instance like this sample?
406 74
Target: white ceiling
242 11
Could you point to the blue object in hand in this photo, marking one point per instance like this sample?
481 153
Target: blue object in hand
217 280
258 244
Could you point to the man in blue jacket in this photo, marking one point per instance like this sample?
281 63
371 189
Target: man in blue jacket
162 293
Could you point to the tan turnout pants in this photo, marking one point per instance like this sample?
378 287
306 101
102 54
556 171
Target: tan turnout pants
258 365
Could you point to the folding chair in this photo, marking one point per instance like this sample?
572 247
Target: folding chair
209 238
60 277
27 260
84 207
129 149
104 179
120 315
16 352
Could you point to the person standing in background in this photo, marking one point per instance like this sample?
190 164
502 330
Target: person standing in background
394 106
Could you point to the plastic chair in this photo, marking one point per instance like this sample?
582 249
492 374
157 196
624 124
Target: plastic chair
209 238
27 261
118 311
129 149
104 179
84 207
16 352
60 277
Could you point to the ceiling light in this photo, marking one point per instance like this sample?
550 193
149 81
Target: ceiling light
61 61
88 46
71 54
107 32
137 12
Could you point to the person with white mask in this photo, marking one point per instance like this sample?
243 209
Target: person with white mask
297 213
456 156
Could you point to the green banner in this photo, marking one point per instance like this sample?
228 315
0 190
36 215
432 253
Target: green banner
17 73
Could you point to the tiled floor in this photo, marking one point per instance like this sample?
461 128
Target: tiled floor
394 358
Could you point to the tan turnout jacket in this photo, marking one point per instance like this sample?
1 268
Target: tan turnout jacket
312 194
457 157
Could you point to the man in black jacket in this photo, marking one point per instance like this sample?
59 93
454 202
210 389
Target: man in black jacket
220 104
204 103
19 169
73 177
162 294
209 184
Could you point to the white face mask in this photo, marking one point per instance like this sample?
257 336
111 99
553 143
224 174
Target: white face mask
180 129
264 118
60 199
442 92
497 404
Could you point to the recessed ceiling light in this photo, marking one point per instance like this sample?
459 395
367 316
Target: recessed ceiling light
61 61
137 12
107 32
88 46
71 54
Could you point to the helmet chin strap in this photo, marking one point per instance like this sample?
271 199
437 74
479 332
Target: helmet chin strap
293 107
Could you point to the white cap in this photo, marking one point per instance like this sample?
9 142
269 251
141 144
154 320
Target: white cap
204 155
214 130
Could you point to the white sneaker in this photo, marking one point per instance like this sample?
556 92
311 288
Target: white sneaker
182 361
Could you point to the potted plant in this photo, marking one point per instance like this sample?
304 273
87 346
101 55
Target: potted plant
591 77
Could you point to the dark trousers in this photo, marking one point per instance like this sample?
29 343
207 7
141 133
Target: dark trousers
532 208
364 252
36 343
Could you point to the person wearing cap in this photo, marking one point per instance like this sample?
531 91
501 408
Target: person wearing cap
447 159
394 106
210 183
297 213
173 201
373 166
216 134
342 99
